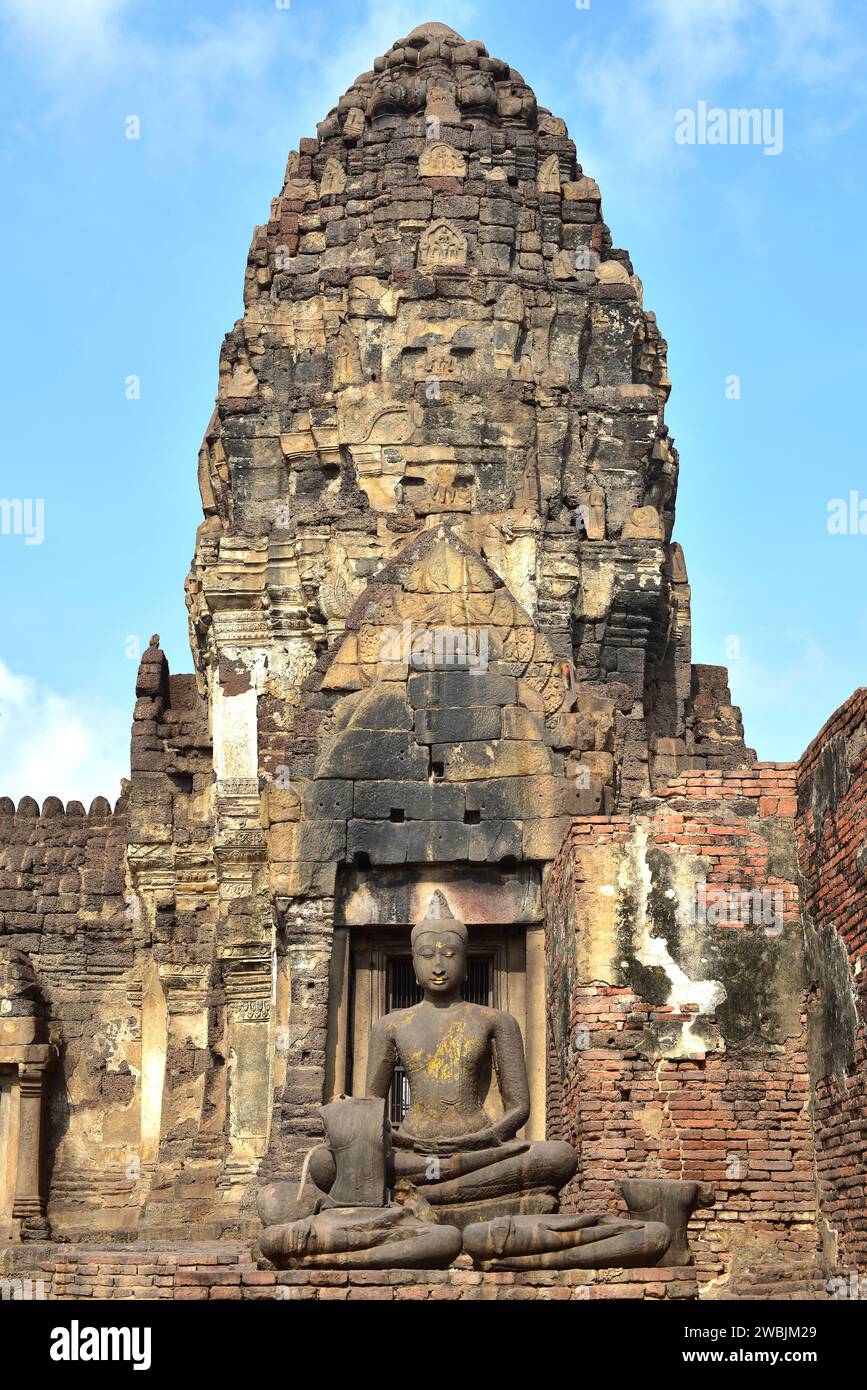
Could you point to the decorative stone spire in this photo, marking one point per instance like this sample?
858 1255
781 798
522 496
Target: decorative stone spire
439 917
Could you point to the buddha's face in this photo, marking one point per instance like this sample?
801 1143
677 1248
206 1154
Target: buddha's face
440 962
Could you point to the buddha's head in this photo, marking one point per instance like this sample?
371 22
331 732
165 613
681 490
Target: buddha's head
439 952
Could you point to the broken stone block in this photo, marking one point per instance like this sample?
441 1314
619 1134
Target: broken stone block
436 842
363 753
541 839
377 842
448 689
464 762
454 725
492 841
672 1203
520 723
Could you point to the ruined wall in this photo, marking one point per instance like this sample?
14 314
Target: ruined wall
677 1015
110 907
62 902
191 978
832 852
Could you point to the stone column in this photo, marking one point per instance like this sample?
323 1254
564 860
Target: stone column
29 1202
248 977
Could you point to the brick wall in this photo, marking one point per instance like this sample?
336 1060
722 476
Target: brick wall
661 1074
227 1272
832 850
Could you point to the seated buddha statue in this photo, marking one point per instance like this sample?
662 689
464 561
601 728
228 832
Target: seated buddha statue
468 1166
451 1167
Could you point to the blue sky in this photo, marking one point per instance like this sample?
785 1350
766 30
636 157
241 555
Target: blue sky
124 258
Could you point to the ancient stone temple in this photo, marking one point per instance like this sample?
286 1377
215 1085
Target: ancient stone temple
440 635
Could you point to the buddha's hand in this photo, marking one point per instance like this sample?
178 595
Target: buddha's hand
459 1143
402 1139
430 1146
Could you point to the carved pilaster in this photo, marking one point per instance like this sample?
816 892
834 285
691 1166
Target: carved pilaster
29 1201
248 977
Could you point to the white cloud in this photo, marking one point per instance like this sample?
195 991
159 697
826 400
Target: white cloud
54 745
671 53
82 51
800 661
224 78
71 39
63 35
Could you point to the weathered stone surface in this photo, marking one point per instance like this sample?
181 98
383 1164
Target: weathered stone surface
457 725
378 842
492 841
372 754
447 689
466 762
411 800
328 799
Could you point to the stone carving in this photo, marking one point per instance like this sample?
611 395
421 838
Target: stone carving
347 366
390 483
333 178
354 1226
25 1058
582 190
591 514
644 524
672 1203
361 1238
564 265
464 1164
358 1134
353 126
549 175
439 160
300 190
442 244
252 1010
612 273
565 1242
441 108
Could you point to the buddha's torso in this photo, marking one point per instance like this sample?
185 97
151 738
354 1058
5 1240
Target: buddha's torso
446 1054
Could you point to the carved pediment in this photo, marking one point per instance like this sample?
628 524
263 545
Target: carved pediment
442 244
439 160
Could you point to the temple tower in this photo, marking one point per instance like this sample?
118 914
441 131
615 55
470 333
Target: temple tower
435 606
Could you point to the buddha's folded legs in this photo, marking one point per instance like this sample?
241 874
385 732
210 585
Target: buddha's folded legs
565 1242
510 1169
360 1238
